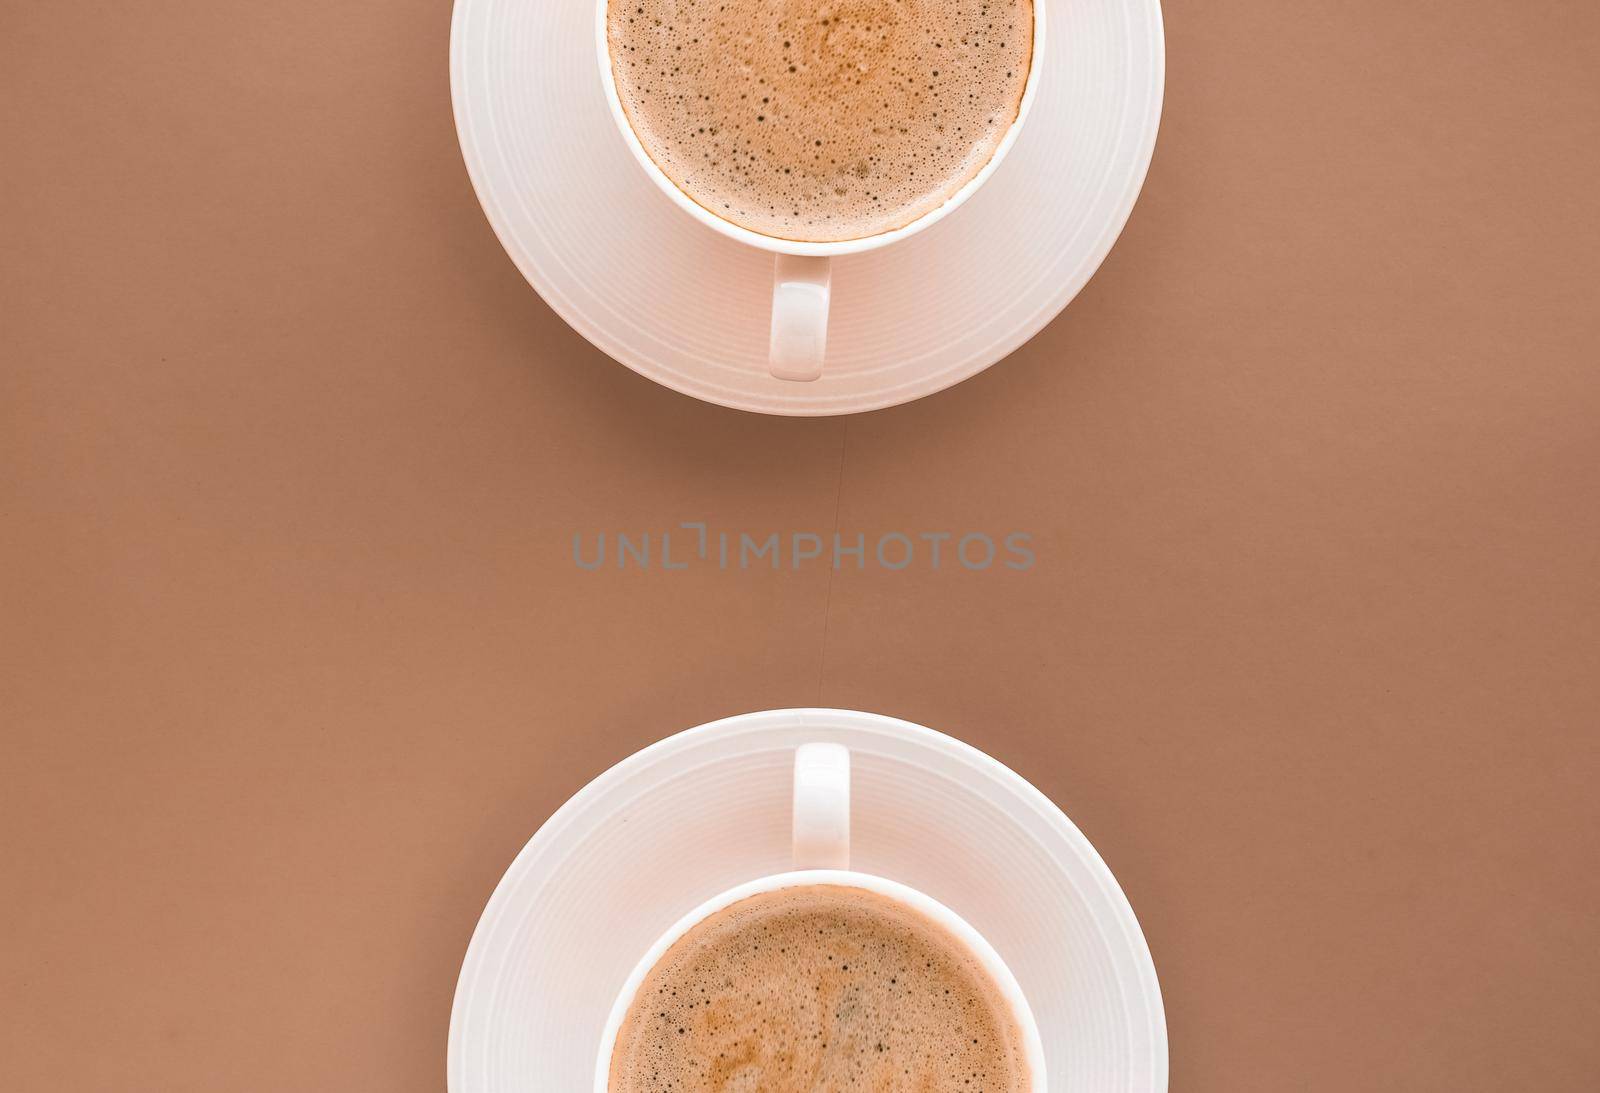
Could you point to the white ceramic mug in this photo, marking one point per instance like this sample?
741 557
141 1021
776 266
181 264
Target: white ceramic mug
822 856
802 274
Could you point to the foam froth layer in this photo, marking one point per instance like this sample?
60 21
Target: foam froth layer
820 121
818 988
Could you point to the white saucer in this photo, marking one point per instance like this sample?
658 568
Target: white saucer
704 810
688 308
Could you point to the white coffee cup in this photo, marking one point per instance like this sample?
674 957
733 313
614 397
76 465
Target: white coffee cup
802 275
822 856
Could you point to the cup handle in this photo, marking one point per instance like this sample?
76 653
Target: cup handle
822 806
800 291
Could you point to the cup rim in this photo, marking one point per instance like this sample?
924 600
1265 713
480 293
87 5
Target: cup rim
976 944
796 246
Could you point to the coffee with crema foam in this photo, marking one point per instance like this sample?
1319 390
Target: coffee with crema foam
820 120
819 987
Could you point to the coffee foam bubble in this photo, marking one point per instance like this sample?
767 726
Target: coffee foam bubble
818 987
820 121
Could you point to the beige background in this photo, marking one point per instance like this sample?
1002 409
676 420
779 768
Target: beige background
294 657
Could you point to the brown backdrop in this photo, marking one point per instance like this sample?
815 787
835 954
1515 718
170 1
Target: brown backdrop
295 657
